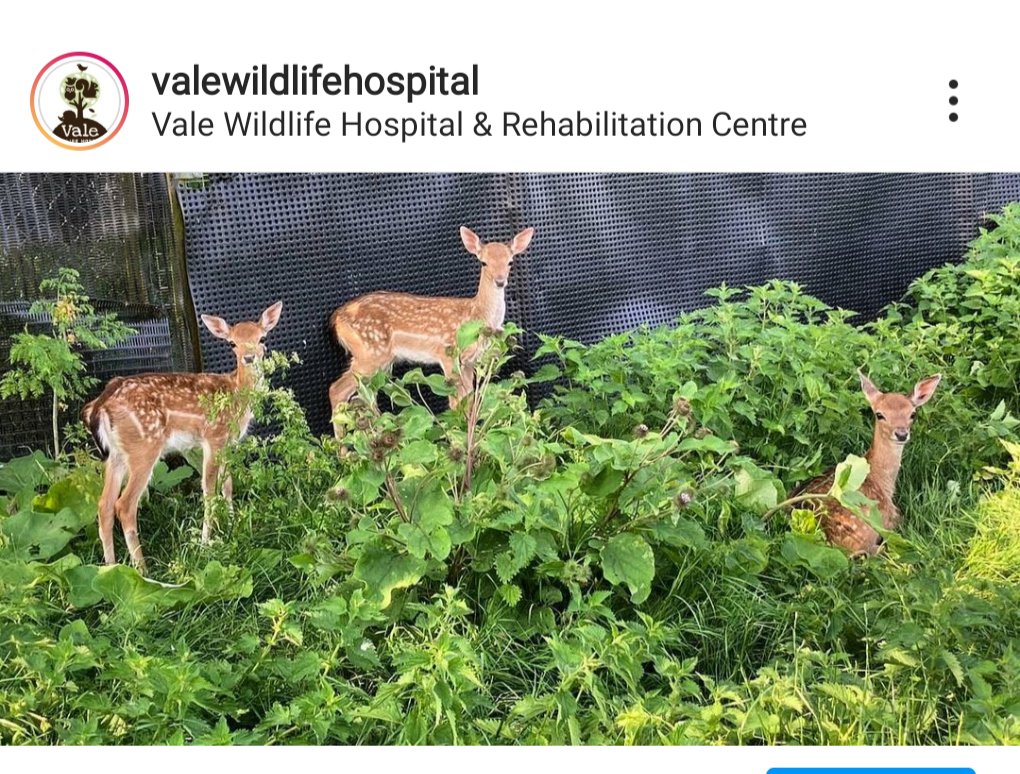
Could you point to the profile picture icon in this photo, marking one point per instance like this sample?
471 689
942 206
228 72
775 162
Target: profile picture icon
79 101
80 91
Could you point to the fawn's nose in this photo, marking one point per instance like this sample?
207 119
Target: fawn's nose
901 435
501 283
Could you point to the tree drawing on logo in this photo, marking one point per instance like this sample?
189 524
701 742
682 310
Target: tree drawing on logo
81 91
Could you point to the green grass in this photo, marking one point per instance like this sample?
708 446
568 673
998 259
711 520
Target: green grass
614 574
914 647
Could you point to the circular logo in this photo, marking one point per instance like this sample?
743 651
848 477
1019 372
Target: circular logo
79 101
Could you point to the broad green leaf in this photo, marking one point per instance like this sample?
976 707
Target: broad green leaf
511 594
416 420
628 559
710 443
435 382
547 373
746 556
383 571
685 533
363 485
604 483
823 560
850 474
46 533
330 614
469 333
21 476
219 581
133 593
164 479
80 589
426 532
68 493
756 489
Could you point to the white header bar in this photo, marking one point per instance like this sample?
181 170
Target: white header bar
527 86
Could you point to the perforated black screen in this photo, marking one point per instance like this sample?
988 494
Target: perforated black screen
611 251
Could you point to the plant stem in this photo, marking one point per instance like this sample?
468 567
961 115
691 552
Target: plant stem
398 501
56 432
794 500
471 439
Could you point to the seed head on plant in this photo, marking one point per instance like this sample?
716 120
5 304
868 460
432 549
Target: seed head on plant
683 499
682 407
339 494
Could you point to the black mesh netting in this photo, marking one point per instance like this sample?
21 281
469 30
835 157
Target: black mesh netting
611 251
117 231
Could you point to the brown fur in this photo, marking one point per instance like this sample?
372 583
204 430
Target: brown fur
381 328
137 419
894 414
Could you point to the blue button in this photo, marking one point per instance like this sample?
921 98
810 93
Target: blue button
872 770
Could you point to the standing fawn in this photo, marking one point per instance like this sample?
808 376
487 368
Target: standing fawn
139 418
894 413
380 328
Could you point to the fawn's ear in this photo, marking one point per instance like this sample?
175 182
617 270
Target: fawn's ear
470 240
924 389
271 316
217 326
521 241
871 392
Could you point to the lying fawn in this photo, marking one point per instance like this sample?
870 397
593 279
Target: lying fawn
380 328
139 418
894 413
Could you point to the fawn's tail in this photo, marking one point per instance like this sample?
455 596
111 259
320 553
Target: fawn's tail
97 418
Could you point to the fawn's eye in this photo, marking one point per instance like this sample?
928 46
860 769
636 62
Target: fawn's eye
879 415
233 344
912 415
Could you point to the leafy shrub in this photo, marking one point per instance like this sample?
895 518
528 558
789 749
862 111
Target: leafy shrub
607 568
43 363
968 314
776 371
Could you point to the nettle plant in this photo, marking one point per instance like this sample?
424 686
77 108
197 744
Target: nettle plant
490 497
775 369
52 363
969 313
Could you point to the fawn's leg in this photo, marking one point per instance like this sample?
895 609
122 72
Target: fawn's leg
140 467
340 392
465 384
343 389
213 473
113 478
227 489
455 377
464 380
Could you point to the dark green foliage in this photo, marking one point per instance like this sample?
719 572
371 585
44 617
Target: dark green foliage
968 314
613 567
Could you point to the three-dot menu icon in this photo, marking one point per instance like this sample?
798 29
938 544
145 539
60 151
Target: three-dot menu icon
953 99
